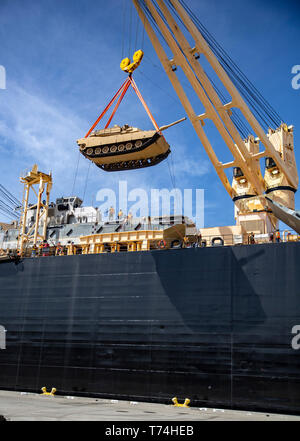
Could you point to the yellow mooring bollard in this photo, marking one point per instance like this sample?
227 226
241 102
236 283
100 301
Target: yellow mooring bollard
44 389
185 404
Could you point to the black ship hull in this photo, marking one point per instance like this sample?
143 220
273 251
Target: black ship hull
213 325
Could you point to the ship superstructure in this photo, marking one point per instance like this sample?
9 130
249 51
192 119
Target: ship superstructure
68 221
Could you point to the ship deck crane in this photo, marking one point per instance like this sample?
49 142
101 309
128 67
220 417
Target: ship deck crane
40 184
280 180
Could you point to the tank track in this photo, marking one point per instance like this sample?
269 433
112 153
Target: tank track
134 164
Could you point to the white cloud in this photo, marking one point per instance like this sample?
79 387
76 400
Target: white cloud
187 164
39 132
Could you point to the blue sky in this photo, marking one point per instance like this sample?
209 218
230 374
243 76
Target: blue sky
62 64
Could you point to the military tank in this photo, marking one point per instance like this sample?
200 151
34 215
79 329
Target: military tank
125 148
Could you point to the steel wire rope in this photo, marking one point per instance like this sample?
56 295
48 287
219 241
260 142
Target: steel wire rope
265 116
76 172
239 123
220 53
236 120
249 97
86 180
225 61
173 179
143 35
172 176
130 28
151 19
238 78
8 213
136 33
123 28
9 195
9 208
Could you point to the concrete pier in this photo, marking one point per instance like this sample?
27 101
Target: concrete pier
18 406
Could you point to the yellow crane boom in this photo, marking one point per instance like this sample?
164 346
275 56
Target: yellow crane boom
280 180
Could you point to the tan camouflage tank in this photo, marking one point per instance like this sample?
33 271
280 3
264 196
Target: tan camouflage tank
124 148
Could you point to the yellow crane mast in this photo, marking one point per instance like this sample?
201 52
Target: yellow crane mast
39 183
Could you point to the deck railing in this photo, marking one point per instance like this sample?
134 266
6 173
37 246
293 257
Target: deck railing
191 242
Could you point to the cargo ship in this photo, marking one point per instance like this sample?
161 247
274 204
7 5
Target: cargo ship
214 324
211 323
149 309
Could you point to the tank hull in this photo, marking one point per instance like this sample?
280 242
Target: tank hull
130 154
214 325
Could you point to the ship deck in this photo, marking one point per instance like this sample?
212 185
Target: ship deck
21 406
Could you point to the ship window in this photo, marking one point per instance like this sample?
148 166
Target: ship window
99 230
107 247
63 207
270 163
69 232
53 233
237 172
123 247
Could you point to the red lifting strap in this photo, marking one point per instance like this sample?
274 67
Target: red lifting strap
133 83
118 103
121 93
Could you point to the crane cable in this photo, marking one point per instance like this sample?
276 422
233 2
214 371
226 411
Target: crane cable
9 196
9 204
148 15
246 88
119 95
264 112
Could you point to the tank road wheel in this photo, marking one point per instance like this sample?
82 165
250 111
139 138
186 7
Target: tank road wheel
90 151
97 151
82 147
113 149
121 147
105 149
128 146
138 144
